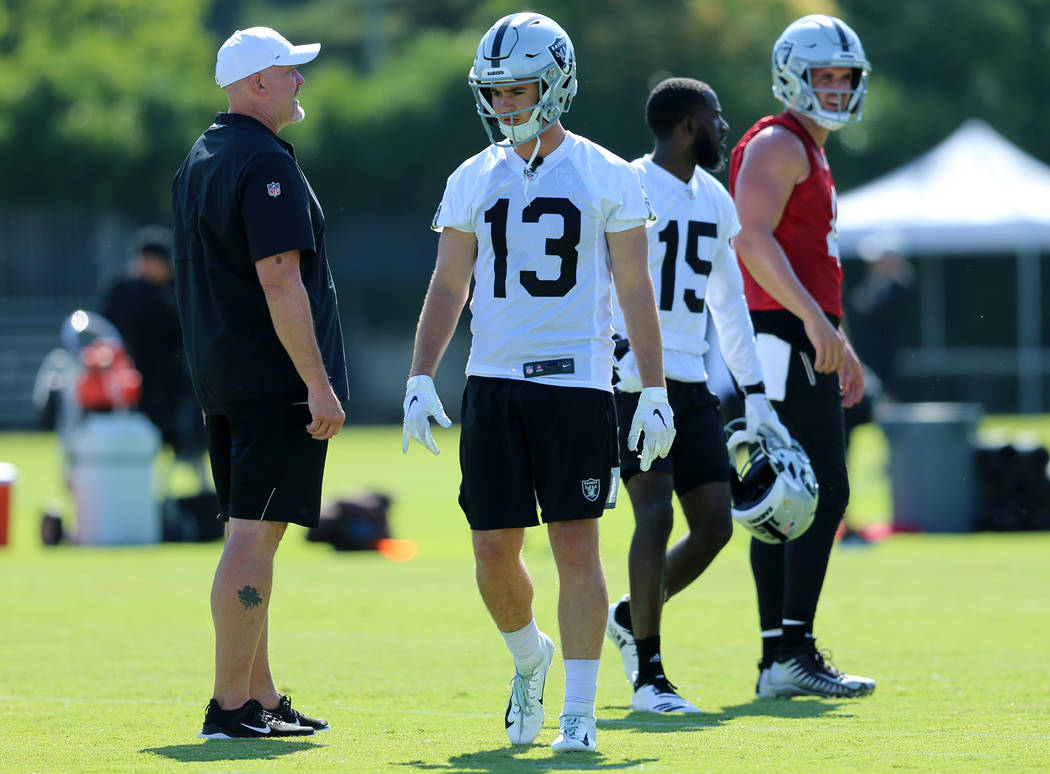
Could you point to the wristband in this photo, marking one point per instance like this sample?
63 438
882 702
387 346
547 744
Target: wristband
755 389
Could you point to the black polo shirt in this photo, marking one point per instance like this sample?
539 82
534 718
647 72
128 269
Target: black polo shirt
240 197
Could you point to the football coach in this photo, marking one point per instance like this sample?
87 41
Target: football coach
265 351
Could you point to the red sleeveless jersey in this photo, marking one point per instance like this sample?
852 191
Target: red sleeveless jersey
807 230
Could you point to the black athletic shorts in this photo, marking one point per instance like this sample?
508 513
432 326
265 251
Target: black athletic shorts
698 455
525 444
265 465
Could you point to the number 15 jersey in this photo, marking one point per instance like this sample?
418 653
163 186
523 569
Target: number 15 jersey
694 270
541 306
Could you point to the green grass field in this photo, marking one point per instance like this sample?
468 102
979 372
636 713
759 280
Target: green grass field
106 654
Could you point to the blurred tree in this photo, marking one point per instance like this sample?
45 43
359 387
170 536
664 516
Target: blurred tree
936 63
97 96
99 99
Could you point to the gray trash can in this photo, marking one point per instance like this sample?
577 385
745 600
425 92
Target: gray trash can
932 471
111 478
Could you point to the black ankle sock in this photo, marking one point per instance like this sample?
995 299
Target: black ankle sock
770 645
622 615
794 637
650 665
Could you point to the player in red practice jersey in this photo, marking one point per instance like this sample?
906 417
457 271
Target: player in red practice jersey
788 251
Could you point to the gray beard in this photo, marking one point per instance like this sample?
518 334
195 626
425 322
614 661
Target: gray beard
298 114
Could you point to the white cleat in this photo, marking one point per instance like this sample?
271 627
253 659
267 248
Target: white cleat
809 672
524 717
576 733
660 697
623 639
762 690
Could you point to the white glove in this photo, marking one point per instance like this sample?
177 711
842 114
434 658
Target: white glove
655 417
421 403
760 415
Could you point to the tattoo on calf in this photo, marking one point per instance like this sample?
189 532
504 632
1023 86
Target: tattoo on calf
249 597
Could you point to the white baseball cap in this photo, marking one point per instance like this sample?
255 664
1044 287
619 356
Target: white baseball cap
249 51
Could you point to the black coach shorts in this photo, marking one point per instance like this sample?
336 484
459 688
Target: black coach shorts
524 444
265 465
698 455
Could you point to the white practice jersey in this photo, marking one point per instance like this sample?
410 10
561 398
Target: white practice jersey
694 269
541 308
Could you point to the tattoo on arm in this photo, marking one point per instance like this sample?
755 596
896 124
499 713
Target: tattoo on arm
249 597
278 260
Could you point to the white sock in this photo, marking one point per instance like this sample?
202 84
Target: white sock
524 645
581 686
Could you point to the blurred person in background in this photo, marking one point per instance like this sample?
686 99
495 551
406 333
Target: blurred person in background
544 221
788 249
877 306
265 349
694 272
142 307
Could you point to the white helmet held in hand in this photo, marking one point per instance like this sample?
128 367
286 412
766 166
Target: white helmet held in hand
522 48
819 41
774 493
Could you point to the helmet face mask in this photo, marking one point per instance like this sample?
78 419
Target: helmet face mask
523 48
774 493
814 42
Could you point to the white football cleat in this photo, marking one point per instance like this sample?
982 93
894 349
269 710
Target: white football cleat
660 697
809 672
576 733
623 639
762 690
524 717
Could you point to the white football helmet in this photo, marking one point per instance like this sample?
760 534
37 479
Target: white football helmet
523 48
774 493
819 41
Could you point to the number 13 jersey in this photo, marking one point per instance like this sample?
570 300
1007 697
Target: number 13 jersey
541 305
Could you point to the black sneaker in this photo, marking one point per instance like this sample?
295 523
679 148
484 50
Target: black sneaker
247 722
805 671
287 713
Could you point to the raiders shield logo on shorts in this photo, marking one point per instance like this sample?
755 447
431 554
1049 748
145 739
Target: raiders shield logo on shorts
590 488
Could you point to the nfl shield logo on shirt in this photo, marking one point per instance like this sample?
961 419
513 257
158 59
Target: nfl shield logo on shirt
274 189
566 176
590 488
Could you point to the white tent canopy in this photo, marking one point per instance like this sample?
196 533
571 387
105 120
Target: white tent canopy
975 192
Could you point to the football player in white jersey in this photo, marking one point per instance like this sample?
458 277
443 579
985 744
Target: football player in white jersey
694 270
545 221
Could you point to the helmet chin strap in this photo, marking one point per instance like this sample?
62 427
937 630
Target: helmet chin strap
827 123
525 130
511 132
530 167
